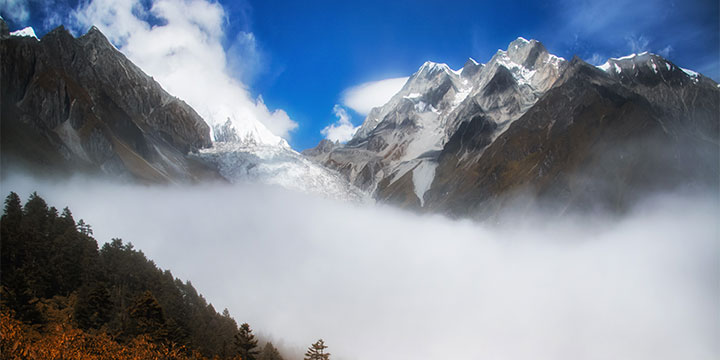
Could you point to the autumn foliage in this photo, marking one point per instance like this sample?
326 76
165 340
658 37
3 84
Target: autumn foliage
63 341
62 297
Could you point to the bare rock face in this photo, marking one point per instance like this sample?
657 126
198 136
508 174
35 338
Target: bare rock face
565 133
325 146
406 135
78 104
590 142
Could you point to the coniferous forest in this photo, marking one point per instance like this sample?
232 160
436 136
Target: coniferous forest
65 298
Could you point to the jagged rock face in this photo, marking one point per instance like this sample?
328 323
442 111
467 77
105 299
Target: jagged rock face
528 122
78 104
589 142
406 135
325 146
683 96
71 104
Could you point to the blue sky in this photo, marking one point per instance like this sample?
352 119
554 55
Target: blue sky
301 56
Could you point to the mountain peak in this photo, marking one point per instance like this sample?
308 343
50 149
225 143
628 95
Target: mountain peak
470 68
25 32
630 65
430 68
525 52
96 37
4 30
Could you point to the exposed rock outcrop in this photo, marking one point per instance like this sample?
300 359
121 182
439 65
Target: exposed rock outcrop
566 133
73 104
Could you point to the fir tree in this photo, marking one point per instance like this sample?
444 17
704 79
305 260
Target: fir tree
35 214
93 308
246 343
13 211
149 318
10 242
317 351
50 268
269 352
84 228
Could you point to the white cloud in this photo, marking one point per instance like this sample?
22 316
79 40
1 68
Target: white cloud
638 44
342 130
641 286
245 59
665 52
596 19
17 10
185 55
362 98
597 59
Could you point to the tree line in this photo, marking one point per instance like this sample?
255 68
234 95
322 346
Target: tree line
57 284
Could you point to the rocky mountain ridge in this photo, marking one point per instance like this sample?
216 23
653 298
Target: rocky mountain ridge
459 142
463 142
73 104
78 104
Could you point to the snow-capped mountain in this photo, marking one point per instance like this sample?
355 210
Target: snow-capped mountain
28 31
455 141
404 136
451 141
248 159
78 104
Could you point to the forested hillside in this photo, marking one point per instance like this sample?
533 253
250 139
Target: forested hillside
63 298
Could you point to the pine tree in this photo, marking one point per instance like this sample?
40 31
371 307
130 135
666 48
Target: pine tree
93 307
10 242
317 351
13 211
246 343
84 228
149 318
67 219
35 214
269 352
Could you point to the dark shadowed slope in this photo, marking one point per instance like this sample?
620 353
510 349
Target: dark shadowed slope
73 104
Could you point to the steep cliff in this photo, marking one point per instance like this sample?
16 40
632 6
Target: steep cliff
78 104
528 122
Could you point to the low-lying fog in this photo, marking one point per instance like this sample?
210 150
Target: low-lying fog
378 283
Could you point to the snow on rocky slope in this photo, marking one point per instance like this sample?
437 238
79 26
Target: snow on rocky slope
404 136
104 115
443 121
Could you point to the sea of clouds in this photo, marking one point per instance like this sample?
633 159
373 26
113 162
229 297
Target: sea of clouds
379 283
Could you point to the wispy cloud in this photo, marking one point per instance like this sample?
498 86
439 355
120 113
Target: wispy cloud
246 60
619 27
16 10
596 59
666 51
362 98
179 43
343 129
638 44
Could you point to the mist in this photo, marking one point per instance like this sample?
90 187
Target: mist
379 283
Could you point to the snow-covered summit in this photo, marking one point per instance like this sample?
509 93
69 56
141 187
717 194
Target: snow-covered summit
630 66
437 88
616 65
426 143
524 58
429 68
405 135
27 32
